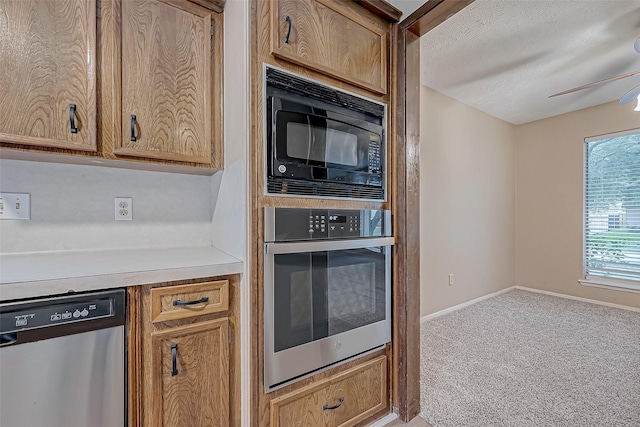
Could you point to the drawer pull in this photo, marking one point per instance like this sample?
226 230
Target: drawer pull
286 38
330 408
174 361
72 118
200 301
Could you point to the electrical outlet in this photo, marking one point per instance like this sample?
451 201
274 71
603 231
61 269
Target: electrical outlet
451 279
15 206
123 208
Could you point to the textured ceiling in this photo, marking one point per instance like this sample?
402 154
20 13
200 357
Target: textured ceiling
407 6
505 57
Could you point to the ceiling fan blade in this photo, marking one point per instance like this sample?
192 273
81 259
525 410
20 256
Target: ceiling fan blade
599 82
636 45
632 95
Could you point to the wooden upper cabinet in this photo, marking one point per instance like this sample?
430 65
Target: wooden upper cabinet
47 73
166 81
331 38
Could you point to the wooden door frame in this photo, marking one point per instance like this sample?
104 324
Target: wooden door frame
406 67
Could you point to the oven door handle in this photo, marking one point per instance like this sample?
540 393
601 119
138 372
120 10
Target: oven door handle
326 245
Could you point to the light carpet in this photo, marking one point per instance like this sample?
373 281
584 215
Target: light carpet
527 359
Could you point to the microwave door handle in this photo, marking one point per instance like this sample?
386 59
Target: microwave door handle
326 245
311 139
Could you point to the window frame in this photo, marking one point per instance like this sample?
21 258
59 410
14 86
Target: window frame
628 285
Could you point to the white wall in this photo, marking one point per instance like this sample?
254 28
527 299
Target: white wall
549 181
72 208
467 203
230 215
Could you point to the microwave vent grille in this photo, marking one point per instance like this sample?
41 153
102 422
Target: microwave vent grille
307 88
323 189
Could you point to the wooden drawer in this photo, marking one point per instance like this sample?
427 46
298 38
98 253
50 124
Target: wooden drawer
182 302
332 39
360 392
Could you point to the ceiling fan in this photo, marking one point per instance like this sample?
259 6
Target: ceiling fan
633 94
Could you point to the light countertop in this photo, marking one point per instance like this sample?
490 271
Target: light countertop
28 275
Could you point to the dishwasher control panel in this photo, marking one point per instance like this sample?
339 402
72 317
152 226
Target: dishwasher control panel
31 316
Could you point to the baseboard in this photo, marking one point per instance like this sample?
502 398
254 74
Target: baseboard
464 304
384 421
591 301
523 288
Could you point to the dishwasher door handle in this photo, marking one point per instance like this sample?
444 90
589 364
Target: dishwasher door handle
8 339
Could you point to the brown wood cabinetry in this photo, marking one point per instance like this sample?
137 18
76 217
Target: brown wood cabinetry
190 375
181 302
158 65
340 44
183 359
47 73
166 81
330 38
342 400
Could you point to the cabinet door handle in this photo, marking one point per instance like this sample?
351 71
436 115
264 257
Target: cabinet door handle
199 301
286 38
331 408
133 127
174 361
72 118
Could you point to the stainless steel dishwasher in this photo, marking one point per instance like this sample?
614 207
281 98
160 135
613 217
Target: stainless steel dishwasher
62 361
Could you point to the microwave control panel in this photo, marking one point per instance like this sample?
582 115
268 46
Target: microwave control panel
374 157
291 224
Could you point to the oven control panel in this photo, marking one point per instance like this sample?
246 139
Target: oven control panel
344 225
333 224
291 224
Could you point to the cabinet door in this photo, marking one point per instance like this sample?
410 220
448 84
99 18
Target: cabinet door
332 39
190 375
166 81
47 64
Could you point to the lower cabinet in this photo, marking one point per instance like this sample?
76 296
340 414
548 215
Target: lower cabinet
342 400
190 375
180 355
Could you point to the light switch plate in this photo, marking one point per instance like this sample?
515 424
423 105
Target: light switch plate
15 206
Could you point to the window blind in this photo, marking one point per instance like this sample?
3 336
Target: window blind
612 206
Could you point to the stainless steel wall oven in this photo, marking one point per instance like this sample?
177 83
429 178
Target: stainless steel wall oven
327 284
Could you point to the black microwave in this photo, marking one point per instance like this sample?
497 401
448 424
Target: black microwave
321 141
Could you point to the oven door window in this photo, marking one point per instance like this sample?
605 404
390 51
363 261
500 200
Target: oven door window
320 294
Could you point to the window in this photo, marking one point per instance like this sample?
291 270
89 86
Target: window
612 210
